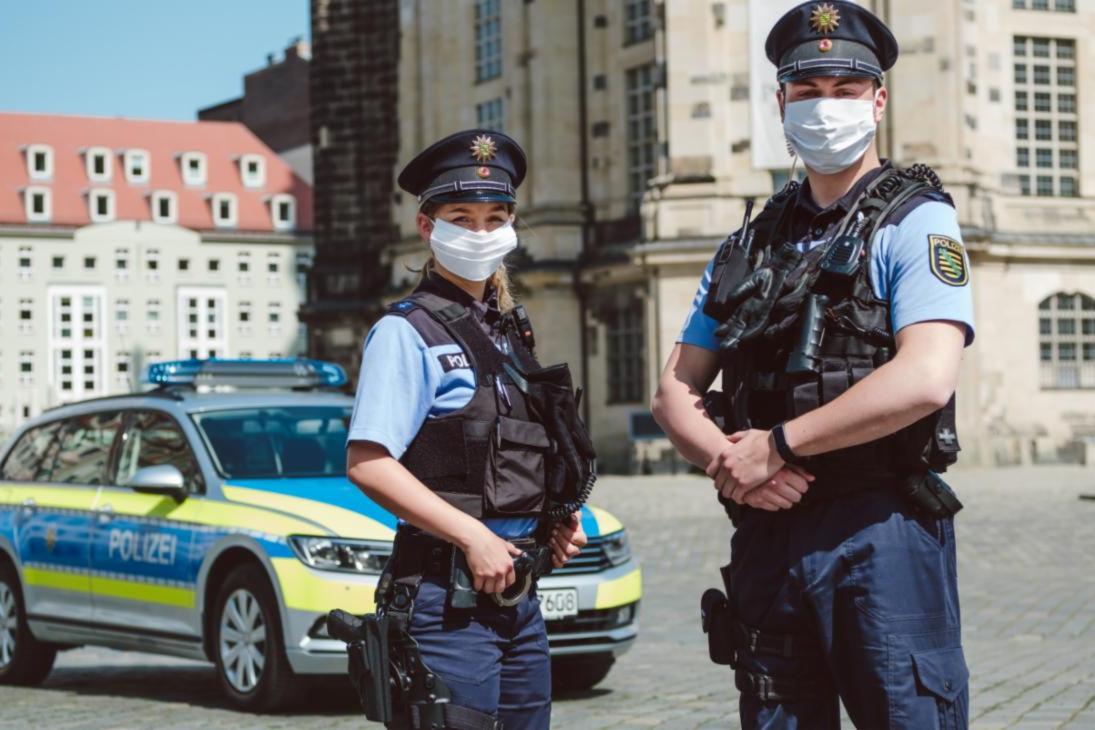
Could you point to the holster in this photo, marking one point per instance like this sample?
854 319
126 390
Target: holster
717 620
929 493
369 665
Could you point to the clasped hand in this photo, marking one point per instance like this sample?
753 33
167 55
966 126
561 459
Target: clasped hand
749 471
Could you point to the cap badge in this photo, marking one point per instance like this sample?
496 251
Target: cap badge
483 172
825 18
825 45
483 149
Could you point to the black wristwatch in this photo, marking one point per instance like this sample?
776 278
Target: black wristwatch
782 448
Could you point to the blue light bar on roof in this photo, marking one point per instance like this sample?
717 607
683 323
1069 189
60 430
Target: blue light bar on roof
216 373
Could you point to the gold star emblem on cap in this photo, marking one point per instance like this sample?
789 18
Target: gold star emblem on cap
483 148
824 18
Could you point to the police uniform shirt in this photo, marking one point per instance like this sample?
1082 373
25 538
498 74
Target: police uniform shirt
917 262
411 370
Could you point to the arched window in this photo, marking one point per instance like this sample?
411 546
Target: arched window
1066 339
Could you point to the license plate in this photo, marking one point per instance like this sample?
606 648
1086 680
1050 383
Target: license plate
558 603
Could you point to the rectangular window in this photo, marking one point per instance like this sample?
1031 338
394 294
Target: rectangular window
224 210
26 316
136 166
625 353
1024 185
243 267
123 367
152 316
184 264
192 165
1056 124
637 25
253 171
488 39
37 202
152 264
273 268
201 322
245 318
39 162
101 206
26 367
214 265
58 262
642 135
164 209
121 316
25 261
283 210
89 263
1022 157
77 341
490 115
98 164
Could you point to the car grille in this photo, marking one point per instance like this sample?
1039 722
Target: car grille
592 559
604 619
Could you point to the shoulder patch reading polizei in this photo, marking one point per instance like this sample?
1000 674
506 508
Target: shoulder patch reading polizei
454 361
948 260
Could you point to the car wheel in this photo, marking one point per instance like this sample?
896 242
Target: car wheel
249 647
573 674
23 659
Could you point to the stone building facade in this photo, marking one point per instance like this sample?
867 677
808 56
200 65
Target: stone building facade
355 140
643 126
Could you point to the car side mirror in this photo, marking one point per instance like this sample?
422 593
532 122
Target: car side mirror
164 479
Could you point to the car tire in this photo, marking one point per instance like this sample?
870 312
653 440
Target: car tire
575 674
248 644
23 659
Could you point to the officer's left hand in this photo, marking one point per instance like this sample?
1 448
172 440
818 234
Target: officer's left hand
567 540
748 461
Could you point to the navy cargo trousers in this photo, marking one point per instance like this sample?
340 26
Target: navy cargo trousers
869 586
493 659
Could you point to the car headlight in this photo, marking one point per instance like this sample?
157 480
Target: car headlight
617 547
333 553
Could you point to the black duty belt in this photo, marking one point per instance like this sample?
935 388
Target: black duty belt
419 554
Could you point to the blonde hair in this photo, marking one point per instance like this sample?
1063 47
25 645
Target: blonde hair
499 280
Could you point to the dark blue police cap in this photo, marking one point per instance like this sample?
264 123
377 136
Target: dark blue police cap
834 38
477 166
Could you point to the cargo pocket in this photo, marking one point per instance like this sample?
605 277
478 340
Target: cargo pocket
942 673
516 467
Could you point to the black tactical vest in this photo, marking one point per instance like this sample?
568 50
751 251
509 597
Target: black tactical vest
858 338
487 459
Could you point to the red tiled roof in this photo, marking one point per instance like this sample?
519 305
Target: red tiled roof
222 142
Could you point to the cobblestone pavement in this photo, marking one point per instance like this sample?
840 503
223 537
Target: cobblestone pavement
1026 571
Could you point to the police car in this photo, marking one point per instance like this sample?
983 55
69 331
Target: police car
211 518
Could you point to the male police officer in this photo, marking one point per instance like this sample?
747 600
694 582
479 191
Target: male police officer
838 318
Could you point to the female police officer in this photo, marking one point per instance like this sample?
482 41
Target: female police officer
443 436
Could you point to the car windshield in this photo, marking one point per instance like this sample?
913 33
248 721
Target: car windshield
278 442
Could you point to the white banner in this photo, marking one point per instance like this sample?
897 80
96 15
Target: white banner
768 145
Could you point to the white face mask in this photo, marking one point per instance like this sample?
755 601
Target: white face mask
471 255
830 135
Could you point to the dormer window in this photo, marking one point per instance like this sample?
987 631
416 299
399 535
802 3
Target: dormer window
224 210
193 168
40 162
136 166
253 171
99 167
283 211
101 206
164 209
38 204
